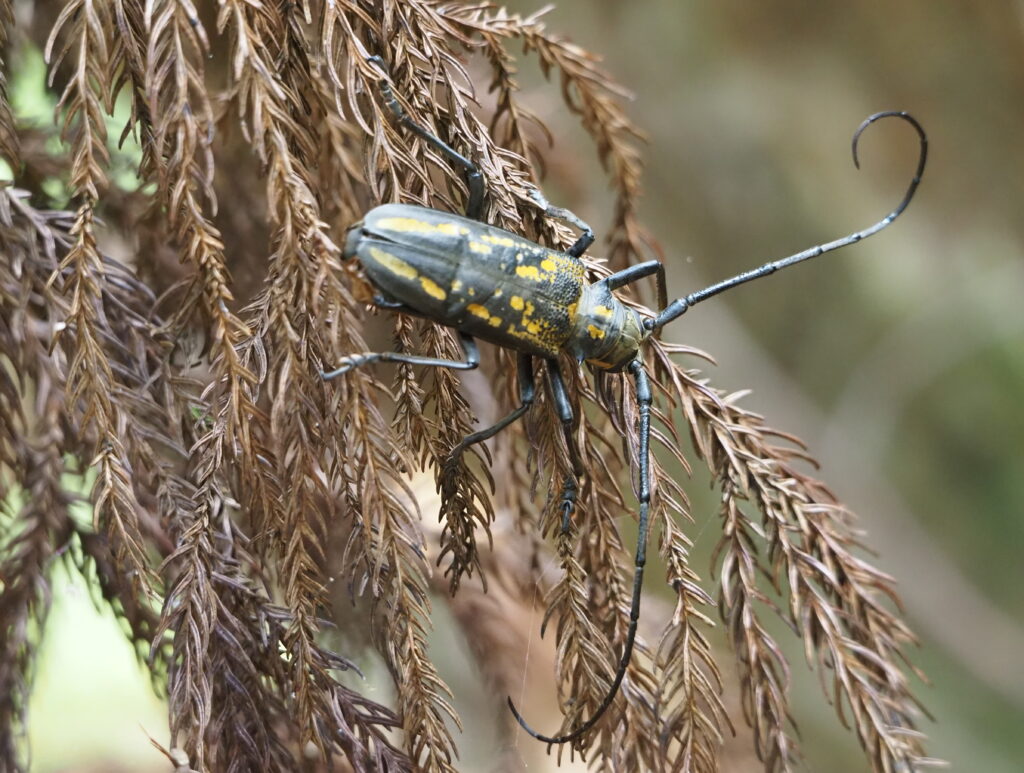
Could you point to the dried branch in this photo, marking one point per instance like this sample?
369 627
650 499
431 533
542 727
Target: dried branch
225 465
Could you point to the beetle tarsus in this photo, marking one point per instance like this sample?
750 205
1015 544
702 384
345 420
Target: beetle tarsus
586 237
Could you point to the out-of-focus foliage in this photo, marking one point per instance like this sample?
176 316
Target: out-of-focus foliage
168 336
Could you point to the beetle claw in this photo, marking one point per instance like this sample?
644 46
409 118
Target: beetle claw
347 364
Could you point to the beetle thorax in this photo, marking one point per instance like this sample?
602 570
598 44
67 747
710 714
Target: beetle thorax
607 333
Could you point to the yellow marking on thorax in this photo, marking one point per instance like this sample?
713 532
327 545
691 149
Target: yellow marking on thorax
603 311
412 225
595 332
431 288
394 264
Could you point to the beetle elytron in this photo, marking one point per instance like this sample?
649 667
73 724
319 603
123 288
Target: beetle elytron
492 284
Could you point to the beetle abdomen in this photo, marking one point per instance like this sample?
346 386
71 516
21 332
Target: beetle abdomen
477 278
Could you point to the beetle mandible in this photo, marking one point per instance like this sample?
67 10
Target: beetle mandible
497 286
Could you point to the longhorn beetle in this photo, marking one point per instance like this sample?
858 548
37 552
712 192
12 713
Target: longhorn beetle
495 285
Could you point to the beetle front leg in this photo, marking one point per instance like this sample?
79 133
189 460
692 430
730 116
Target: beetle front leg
558 213
560 397
359 360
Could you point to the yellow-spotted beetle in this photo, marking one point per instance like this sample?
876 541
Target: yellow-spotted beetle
497 286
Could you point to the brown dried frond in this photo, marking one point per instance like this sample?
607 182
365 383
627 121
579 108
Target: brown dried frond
82 278
33 504
225 465
9 146
804 545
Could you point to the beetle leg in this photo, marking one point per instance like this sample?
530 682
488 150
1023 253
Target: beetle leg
359 360
560 397
637 272
558 213
643 399
386 303
474 177
526 395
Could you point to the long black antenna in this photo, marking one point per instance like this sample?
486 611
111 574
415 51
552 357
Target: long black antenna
643 400
679 307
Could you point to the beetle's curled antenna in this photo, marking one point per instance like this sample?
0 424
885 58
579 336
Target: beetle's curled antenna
535 301
676 309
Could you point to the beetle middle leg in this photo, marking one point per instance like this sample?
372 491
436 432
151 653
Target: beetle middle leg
643 398
524 364
560 397
359 360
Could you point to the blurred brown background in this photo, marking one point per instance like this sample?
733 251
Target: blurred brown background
900 361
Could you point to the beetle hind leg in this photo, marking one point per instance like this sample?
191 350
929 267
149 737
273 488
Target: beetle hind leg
474 177
354 361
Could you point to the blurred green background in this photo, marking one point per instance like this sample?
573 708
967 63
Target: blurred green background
900 361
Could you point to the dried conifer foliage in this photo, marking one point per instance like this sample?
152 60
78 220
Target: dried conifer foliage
229 485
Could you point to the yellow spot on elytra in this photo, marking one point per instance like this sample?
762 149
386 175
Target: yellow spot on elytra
548 264
495 321
479 248
393 264
516 303
602 311
528 272
498 293
478 311
431 288
412 225
456 285
529 309
595 332
471 291
501 241
532 327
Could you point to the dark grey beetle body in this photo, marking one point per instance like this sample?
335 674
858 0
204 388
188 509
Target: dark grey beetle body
493 285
